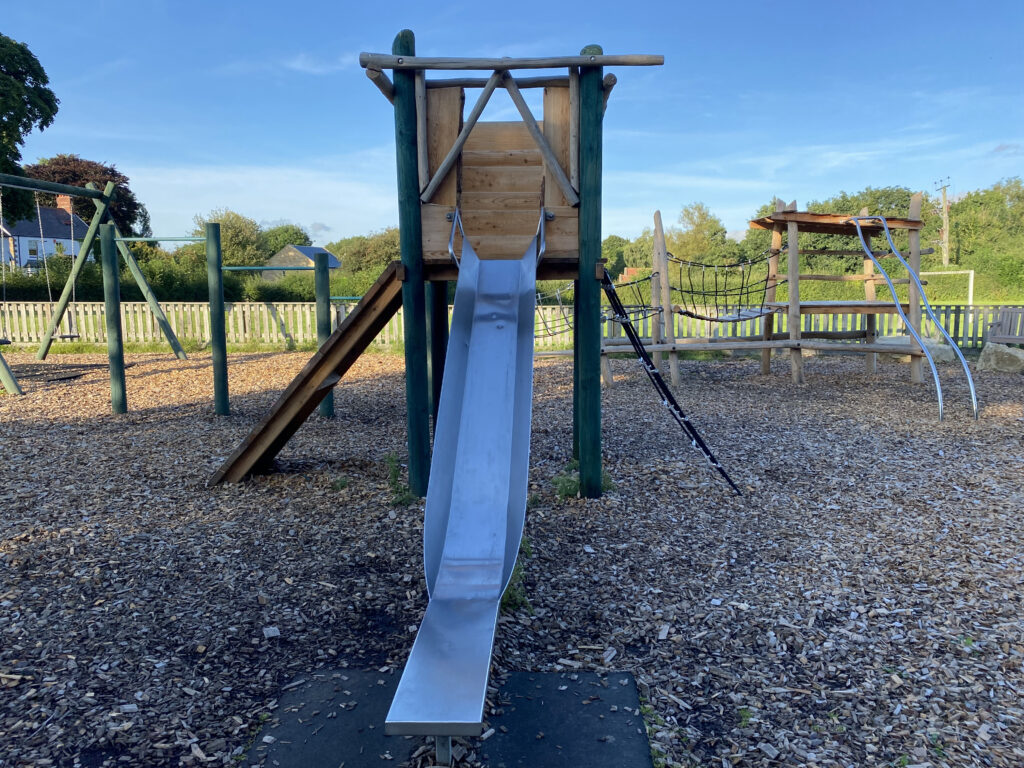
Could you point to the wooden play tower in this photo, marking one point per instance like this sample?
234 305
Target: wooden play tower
499 175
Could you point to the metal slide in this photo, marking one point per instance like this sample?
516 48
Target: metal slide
476 500
856 221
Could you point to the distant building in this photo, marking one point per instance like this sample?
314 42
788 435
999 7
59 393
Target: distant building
63 231
297 256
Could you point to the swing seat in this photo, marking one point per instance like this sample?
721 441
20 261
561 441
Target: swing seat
4 342
68 336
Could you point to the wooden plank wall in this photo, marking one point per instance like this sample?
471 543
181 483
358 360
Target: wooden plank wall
293 323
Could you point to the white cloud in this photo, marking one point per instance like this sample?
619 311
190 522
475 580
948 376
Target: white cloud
329 199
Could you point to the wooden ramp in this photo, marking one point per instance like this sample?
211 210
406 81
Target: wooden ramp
315 380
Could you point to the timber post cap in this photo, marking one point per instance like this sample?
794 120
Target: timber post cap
592 51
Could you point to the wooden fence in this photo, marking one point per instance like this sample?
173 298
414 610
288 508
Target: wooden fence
294 323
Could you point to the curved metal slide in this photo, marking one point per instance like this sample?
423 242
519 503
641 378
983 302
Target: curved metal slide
476 500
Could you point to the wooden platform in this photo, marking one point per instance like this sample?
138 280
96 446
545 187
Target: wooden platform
830 223
841 307
315 380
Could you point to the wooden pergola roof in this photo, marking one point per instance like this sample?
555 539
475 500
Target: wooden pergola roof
830 223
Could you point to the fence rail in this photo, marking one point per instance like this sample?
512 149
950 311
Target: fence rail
293 323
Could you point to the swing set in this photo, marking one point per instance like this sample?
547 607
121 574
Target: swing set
56 331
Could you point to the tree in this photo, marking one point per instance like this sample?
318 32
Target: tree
640 251
367 253
701 237
128 213
241 240
612 249
25 104
276 238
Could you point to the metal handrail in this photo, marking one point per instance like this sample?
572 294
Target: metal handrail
927 305
456 219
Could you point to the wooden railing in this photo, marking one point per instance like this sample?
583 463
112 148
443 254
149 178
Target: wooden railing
293 323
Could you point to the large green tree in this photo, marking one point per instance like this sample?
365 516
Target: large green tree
276 238
241 239
612 251
128 213
364 253
26 103
701 236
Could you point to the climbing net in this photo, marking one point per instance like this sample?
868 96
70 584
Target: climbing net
555 307
724 293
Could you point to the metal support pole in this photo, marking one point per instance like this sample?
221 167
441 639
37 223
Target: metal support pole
322 290
410 227
588 292
76 268
437 339
218 336
112 312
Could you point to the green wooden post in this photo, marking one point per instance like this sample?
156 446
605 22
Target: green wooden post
410 228
112 312
76 268
218 336
588 294
8 380
322 289
437 338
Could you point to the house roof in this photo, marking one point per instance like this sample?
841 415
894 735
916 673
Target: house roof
310 251
56 224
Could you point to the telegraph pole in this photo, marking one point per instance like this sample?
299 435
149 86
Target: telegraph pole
943 184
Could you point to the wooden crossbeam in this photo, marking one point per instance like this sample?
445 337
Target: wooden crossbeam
386 61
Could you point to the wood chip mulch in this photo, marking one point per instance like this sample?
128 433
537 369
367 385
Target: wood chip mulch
862 604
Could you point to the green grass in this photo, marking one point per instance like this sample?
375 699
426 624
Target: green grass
515 598
567 482
401 496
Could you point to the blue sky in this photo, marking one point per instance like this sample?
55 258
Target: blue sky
262 107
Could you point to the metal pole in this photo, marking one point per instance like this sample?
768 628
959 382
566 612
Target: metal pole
322 288
218 337
7 378
112 312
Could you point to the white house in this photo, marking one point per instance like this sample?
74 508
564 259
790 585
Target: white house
63 232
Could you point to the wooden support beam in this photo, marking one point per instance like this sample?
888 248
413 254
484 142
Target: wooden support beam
770 291
453 154
413 295
382 82
383 61
667 321
112 315
608 83
587 326
574 127
218 335
554 81
914 295
8 380
423 167
550 160
796 361
871 359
